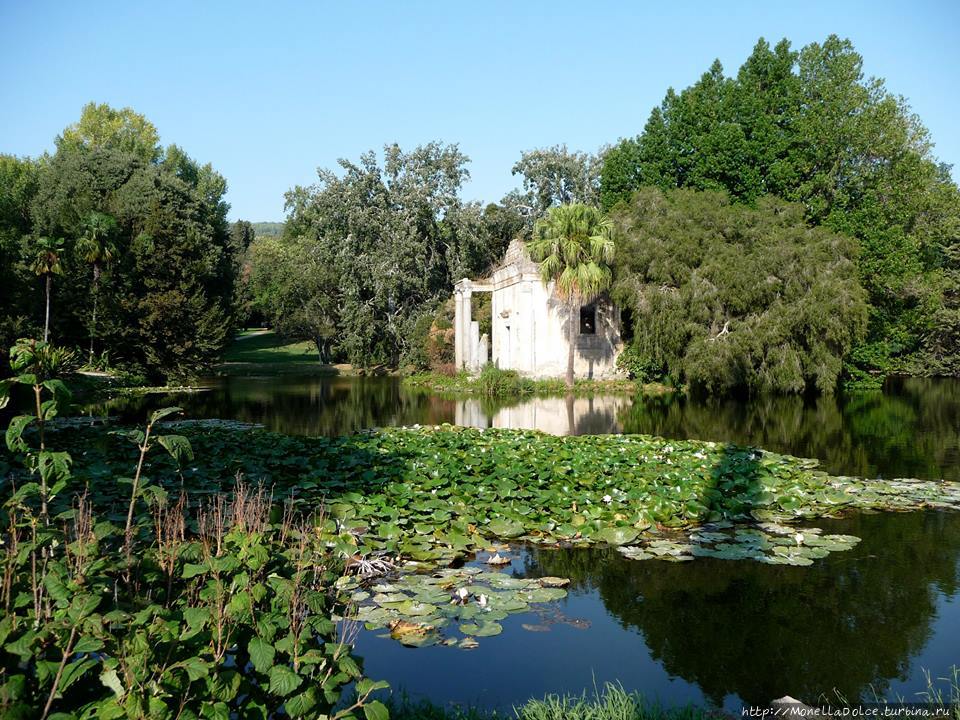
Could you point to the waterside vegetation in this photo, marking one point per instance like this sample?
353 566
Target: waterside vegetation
494 382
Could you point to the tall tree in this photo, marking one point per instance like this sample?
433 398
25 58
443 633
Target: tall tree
97 249
574 247
18 187
104 127
558 176
165 309
809 127
47 263
397 235
728 297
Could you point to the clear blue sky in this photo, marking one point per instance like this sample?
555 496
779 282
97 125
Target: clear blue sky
269 91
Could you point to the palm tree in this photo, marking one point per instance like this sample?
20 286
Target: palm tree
574 248
97 249
46 264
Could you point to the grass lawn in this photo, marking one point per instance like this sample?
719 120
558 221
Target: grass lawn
265 351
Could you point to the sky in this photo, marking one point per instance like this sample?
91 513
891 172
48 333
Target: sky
270 91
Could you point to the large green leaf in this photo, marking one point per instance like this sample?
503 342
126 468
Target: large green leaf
283 680
261 654
617 535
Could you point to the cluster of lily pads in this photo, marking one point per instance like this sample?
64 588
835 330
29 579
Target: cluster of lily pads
449 606
433 494
769 543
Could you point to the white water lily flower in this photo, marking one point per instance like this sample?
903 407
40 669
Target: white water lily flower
799 538
463 593
482 600
607 498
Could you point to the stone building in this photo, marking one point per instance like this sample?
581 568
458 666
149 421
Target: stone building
529 325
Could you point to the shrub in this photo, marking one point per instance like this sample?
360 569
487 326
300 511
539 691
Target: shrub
638 365
728 297
494 381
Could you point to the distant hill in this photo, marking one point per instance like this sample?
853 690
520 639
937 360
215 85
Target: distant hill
268 229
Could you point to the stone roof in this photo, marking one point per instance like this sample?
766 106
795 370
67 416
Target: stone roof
517 255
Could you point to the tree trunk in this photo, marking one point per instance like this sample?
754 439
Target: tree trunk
46 319
571 342
96 297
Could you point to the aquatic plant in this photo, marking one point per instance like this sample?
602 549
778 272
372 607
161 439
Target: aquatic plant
431 494
611 702
438 608
189 609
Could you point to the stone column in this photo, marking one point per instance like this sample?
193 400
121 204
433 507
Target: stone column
474 346
461 328
458 329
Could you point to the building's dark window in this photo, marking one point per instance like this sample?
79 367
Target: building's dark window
588 320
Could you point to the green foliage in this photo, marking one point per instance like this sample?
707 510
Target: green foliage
496 382
574 248
385 241
611 702
151 226
726 297
293 286
556 176
378 487
101 126
638 365
808 127
267 229
190 611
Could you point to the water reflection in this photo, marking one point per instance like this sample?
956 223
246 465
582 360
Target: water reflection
849 624
912 429
554 415
866 621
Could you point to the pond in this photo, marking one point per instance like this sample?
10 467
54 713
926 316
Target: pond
869 620
911 429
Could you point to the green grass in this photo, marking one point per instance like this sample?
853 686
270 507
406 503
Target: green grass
610 703
265 351
493 382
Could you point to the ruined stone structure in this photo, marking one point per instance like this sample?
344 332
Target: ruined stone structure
530 325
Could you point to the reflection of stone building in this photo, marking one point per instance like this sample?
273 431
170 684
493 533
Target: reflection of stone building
554 415
530 325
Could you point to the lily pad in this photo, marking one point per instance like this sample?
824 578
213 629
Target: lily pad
617 535
483 629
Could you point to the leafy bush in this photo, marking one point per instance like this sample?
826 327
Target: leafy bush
204 610
637 365
494 381
727 297
807 125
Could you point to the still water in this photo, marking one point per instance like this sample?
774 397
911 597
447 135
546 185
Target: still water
863 623
912 429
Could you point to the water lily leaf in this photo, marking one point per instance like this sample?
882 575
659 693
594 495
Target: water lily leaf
505 528
411 608
482 629
617 535
541 595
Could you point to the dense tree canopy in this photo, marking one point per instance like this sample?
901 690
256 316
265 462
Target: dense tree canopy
727 297
385 242
556 176
809 127
151 273
146 241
